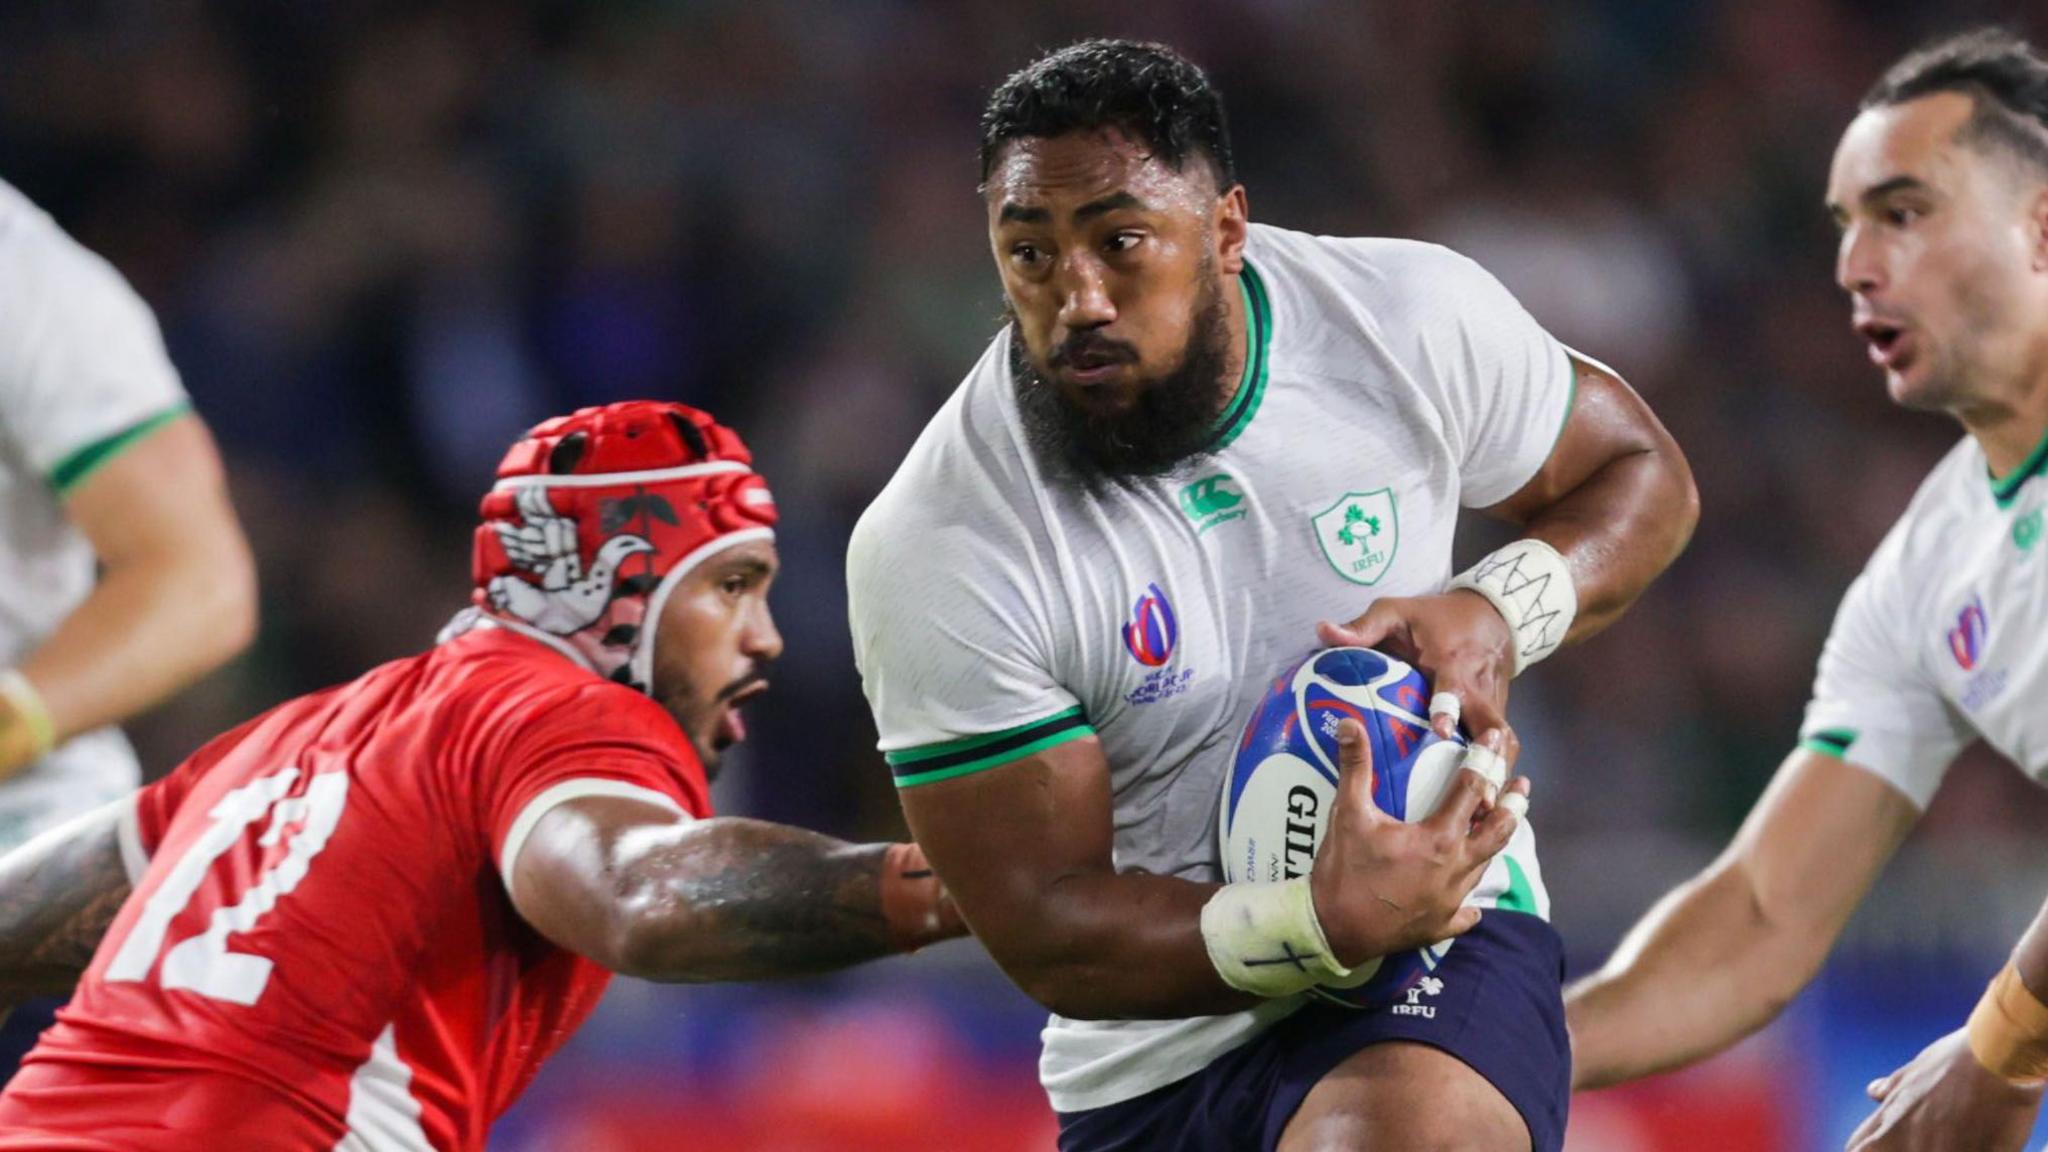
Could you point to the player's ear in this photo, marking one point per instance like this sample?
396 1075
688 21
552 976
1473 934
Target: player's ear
1232 223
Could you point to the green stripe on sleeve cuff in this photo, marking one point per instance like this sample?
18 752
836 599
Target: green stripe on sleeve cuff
935 762
73 470
1830 742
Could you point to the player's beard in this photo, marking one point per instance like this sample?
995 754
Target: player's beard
696 712
1172 422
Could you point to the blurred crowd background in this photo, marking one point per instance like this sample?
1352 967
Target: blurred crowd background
382 238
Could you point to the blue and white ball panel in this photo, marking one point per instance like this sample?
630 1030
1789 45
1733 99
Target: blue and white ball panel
1278 795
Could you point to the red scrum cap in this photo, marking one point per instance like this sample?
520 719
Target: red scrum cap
596 516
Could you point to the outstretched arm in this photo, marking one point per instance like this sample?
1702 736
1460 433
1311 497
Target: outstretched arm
1980 1086
1721 955
646 893
58 893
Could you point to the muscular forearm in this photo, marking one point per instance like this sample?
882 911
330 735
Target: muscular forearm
143 633
735 899
1704 968
1106 945
58 894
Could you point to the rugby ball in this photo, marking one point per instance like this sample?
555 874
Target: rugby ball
1283 780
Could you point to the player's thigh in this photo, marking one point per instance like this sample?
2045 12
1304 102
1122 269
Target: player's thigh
1404 1097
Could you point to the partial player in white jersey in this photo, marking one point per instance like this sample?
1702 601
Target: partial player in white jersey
1940 187
103 466
1197 440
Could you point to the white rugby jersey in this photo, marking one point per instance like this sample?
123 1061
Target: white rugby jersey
1941 638
83 374
998 611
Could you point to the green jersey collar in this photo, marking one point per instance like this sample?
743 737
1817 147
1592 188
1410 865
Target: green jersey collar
2007 490
1251 387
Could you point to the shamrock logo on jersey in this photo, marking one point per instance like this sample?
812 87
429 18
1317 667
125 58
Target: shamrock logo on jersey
1359 534
1354 516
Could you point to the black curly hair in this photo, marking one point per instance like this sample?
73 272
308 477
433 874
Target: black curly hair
1147 91
2005 77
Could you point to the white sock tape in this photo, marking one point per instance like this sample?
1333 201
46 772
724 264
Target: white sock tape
1264 938
1530 585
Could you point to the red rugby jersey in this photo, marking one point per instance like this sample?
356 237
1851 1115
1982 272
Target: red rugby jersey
319 952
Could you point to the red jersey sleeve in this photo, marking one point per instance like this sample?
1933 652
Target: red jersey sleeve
596 740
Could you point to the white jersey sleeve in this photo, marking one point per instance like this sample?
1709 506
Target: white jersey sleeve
1506 386
83 371
951 640
1874 705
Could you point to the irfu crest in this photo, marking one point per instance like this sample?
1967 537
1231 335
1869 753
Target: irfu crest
1360 534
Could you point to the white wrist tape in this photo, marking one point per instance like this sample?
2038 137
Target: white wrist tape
1490 765
1264 938
1530 585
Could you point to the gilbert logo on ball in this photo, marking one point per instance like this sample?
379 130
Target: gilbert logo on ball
1283 782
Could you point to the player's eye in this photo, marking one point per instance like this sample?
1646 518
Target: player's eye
1125 241
1902 216
734 585
1026 254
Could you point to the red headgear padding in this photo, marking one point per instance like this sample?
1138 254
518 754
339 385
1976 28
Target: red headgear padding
597 515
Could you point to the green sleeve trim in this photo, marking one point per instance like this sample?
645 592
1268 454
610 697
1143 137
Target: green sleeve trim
1830 742
74 469
934 762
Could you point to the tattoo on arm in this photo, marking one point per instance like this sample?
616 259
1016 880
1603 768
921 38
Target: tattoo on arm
737 899
58 894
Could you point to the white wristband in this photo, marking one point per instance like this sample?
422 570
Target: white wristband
1264 938
1530 585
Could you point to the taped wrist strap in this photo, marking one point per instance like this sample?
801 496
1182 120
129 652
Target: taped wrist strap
26 731
1530 585
2008 1031
914 904
1264 938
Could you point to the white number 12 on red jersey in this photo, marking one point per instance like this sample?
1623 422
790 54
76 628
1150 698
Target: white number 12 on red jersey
203 963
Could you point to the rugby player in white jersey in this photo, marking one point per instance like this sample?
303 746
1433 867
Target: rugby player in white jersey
1940 186
1197 439
102 464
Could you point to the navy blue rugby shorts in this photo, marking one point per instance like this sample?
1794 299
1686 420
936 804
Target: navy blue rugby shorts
1499 1008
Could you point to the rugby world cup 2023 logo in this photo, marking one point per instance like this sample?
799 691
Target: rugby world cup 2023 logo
1151 632
1150 636
1966 639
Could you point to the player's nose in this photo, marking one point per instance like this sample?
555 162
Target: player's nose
1859 263
1084 293
762 640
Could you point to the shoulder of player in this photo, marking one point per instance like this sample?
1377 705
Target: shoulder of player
498 666
965 474
1391 264
45 272
1402 295
1933 522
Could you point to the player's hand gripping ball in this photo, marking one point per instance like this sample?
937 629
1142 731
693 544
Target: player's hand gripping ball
1283 782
